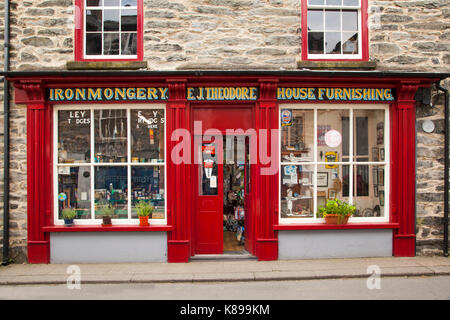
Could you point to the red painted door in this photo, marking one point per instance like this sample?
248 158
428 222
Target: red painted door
209 222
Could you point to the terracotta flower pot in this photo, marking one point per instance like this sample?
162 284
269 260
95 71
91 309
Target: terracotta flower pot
336 219
143 221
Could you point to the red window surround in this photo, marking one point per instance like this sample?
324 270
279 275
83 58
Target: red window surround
79 34
364 34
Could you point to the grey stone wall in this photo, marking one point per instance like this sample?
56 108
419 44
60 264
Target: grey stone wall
244 35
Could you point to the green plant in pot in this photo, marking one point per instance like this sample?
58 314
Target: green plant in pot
107 211
337 211
144 212
68 215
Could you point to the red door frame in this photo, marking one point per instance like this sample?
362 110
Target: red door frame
31 91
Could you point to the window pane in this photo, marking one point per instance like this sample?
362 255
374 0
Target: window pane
93 3
333 2
369 139
315 2
147 184
330 137
128 20
315 42
147 135
111 188
208 170
110 3
74 136
110 135
93 20
93 43
297 138
332 183
350 43
332 20
297 191
351 2
74 191
350 20
315 20
333 42
111 44
369 186
129 44
129 3
111 20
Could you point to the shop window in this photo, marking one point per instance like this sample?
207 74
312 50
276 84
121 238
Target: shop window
333 153
334 30
109 30
112 156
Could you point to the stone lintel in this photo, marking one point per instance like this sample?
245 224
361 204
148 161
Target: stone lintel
337 65
106 65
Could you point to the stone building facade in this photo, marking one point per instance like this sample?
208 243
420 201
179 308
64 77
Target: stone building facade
240 35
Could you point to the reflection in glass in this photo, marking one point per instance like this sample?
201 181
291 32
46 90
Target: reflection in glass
111 187
315 20
93 20
332 145
315 2
368 140
111 3
351 2
110 135
111 20
350 45
111 44
93 3
297 140
147 135
369 191
129 3
74 136
128 20
74 190
297 191
350 20
332 183
333 42
128 44
315 42
93 43
333 2
147 184
332 20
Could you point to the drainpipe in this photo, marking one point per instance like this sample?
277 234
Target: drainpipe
446 168
6 141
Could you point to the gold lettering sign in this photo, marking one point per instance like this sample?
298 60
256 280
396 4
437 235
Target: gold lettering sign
336 94
106 94
222 93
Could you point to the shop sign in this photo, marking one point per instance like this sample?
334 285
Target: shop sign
106 94
222 93
336 94
286 118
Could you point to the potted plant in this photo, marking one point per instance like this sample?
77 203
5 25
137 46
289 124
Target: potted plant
144 212
337 211
69 214
107 211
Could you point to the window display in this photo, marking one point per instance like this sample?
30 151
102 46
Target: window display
349 161
127 167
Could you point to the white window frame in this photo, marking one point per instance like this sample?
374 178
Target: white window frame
92 164
105 56
315 163
328 56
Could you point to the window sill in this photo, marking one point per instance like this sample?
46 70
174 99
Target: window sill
337 65
99 228
322 226
106 65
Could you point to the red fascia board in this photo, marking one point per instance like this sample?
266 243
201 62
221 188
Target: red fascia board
113 228
320 226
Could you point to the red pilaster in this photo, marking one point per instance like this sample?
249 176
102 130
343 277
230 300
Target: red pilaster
403 118
267 184
178 243
39 168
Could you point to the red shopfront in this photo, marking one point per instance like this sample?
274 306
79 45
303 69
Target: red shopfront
241 105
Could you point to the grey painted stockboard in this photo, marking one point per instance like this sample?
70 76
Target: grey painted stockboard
314 244
108 247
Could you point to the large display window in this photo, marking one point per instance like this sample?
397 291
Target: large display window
108 155
334 152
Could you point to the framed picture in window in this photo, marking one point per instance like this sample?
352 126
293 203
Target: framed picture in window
382 154
380 133
322 179
382 198
321 130
375 175
375 155
332 194
381 177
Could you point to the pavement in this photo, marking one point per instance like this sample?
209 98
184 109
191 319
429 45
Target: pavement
225 270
